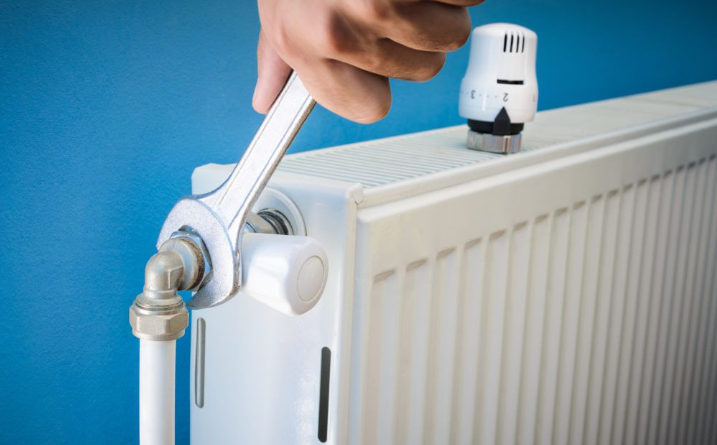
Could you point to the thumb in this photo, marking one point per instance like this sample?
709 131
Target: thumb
273 72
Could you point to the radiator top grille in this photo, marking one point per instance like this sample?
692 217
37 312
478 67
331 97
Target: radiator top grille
385 161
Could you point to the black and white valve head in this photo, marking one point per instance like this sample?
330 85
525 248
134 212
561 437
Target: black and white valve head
499 92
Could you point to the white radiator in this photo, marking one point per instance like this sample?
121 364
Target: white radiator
563 295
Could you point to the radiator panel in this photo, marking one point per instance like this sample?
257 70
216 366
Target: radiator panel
584 323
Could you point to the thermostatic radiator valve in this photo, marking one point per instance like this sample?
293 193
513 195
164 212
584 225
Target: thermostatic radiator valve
499 92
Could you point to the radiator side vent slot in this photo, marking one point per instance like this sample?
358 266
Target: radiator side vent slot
324 394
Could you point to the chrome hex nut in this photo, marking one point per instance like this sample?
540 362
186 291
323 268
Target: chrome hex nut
192 238
151 325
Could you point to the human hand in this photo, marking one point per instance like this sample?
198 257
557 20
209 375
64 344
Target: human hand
344 51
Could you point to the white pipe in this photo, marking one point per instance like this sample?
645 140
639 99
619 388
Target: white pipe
156 392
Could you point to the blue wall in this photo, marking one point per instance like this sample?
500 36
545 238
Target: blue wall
107 106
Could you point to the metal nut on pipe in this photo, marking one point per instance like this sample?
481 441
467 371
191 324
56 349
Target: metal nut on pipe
195 255
162 327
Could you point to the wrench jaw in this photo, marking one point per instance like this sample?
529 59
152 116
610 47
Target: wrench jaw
226 268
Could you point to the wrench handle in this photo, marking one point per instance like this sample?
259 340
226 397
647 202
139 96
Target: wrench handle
232 200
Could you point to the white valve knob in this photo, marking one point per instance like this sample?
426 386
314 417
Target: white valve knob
285 272
499 92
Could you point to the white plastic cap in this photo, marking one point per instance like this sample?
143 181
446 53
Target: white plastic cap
285 272
500 74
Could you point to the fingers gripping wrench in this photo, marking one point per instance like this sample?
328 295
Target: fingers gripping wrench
219 217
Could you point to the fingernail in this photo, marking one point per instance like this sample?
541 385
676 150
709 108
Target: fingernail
256 99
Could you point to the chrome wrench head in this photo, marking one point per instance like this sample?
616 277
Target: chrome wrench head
219 216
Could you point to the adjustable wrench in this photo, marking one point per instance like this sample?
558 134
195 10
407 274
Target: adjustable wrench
219 217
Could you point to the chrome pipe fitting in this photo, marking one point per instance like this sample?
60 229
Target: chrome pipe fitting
159 313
